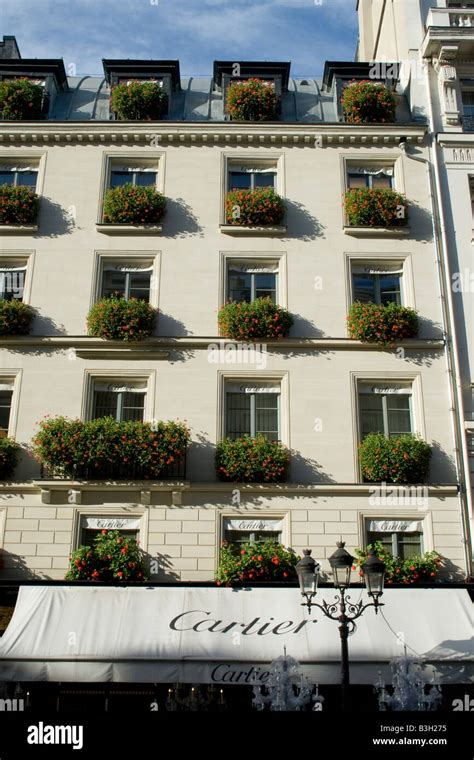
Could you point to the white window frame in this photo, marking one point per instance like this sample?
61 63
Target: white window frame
103 259
380 260
34 157
267 161
80 513
155 160
13 376
21 258
353 160
254 378
91 377
248 515
246 258
425 518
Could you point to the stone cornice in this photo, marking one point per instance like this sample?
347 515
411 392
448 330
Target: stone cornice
207 133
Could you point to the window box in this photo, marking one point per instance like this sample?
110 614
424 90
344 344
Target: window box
253 321
252 100
267 231
106 449
253 460
116 318
8 457
19 206
261 561
259 208
370 208
383 324
367 102
139 101
408 570
15 317
109 557
133 205
20 99
129 229
398 459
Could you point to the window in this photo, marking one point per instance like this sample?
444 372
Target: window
253 410
370 176
402 538
6 393
90 527
237 531
127 280
246 282
122 402
19 175
141 176
377 283
250 177
12 281
385 409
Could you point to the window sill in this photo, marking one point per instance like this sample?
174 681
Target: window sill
376 231
236 229
129 229
18 229
125 353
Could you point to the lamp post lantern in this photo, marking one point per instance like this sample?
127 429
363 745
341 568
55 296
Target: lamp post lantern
342 609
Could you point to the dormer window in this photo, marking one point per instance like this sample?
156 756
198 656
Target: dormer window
164 74
48 76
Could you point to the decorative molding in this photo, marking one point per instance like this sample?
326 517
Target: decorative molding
18 229
376 231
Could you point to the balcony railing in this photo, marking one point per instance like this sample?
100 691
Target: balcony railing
451 17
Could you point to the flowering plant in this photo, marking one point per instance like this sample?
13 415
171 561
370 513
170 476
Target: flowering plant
15 317
105 448
133 204
374 323
252 100
254 207
20 99
375 207
261 318
401 459
8 457
117 318
253 460
18 205
139 101
412 570
111 557
364 102
260 561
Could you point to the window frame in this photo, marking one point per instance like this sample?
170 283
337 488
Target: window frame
105 512
404 261
253 413
13 376
119 406
283 517
126 257
385 415
91 377
349 160
38 158
424 518
268 160
21 258
246 258
110 159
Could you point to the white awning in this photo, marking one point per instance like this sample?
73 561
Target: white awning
252 524
189 634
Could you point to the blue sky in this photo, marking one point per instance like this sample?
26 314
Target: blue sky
82 32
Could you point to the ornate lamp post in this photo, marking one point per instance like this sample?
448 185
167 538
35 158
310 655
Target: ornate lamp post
342 609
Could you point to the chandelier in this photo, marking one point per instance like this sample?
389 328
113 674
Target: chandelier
287 688
186 698
411 688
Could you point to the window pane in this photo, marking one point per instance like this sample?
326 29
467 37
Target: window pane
381 181
264 180
140 285
384 538
133 406
144 179
27 179
118 178
11 285
88 535
358 180
265 535
266 415
238 414
390 288
265 286
7 178
239 286
399 419
371 414
113 283
239 537
363 287
105 404
239 180
5 406
409 545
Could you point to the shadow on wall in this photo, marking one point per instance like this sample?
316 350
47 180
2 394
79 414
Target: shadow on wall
54 220
180 220
306 470
305 328
170 327
160 567
301 224
200 459
13 566
442 466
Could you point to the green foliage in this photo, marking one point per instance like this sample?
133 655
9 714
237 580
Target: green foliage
249 321
15 317
8 457
139 101
375 207
261 561
133 204
402 459
116 318
252 100
18 205
413 570
104 448
385 325
257 207
365 102
20 99
111 557
252 460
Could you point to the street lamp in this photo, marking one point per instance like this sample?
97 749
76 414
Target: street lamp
342 609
